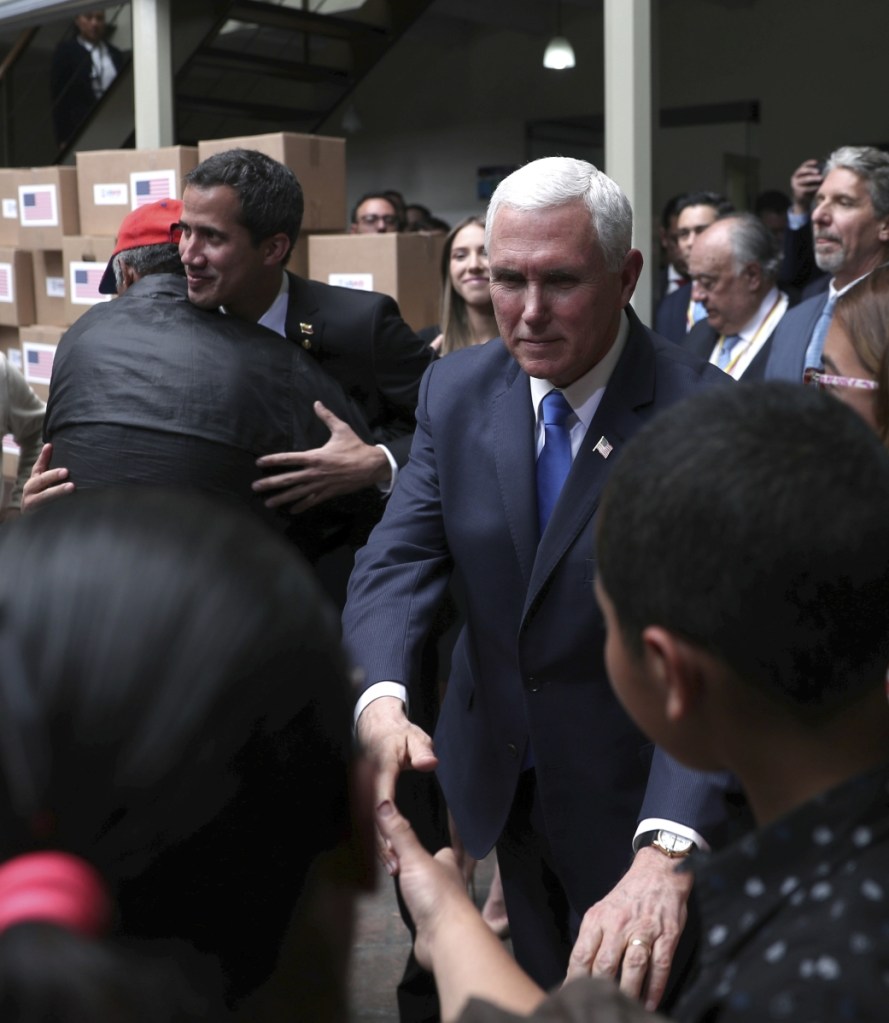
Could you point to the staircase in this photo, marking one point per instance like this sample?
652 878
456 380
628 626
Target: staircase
240 68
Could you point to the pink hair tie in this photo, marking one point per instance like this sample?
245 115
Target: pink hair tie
56 888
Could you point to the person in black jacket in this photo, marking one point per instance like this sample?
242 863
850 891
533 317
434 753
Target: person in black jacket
82 69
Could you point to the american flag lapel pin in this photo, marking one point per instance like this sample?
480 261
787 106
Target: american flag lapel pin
307 331
603 447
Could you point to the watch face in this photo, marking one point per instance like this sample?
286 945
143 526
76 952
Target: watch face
672 843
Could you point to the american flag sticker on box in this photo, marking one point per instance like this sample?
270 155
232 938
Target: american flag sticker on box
38 206
7 282
150 186
38 358
84 280
9 445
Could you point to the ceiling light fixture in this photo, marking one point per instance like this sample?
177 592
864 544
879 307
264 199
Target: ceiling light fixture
559 53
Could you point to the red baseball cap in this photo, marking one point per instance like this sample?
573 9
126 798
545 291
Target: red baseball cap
152 224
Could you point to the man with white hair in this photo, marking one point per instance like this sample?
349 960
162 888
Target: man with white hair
733 268
850 225
514 443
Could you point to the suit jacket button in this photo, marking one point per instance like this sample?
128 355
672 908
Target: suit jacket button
512 749
533 684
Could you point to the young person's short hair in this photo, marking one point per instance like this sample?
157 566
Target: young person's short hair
752 521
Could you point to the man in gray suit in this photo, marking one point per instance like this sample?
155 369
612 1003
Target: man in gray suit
850 224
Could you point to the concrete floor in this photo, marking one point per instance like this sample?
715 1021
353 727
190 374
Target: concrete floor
381 947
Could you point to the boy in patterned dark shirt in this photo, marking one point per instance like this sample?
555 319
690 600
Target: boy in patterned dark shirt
743 571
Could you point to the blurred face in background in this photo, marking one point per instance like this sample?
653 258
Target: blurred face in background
91 26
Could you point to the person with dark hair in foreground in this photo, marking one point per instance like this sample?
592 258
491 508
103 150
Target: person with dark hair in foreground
171 680
743 633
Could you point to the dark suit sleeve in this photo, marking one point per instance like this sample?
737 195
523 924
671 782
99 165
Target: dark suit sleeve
711 803
400 359
400 578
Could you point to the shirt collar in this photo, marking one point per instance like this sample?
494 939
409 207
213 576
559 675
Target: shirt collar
834 292
750 328
585 393
275 317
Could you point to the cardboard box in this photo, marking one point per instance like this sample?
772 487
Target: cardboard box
318 161
111 182
37 344
85 258
47 200
9 345
405 266
9 207
49 287
16 287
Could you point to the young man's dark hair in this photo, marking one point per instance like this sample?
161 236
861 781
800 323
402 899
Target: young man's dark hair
714 199
271 197
753 521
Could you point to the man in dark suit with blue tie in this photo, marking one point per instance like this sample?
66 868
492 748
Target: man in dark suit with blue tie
532 750
850 226
733 267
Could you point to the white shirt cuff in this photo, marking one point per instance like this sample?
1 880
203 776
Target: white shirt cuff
386 488
377 690
657 823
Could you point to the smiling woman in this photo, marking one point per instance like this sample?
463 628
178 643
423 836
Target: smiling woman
467 313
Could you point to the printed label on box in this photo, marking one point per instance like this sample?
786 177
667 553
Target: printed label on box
14 358
85 279
7 283
115 194
38 206
360 282
10 209
55 287
38 361
9 445
151 186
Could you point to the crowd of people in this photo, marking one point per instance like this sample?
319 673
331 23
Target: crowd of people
665 705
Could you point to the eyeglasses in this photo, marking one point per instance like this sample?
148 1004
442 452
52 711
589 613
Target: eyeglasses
827 381
389 219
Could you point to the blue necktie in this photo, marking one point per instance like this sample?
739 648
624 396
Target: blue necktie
816 345
725 351
554 461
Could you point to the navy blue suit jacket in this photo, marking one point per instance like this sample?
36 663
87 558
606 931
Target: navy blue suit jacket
702 338
791 339
671 317
360 339
529 661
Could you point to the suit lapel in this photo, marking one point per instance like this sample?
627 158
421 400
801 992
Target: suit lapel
303 323
630 388
512 423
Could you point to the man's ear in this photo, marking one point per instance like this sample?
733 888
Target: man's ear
274 248
674 666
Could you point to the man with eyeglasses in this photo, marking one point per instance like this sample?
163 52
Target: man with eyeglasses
375 214
734 265
679 312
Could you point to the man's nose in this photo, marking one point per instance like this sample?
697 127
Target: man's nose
536 308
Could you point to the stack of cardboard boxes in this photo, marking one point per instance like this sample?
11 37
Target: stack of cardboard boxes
58 227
